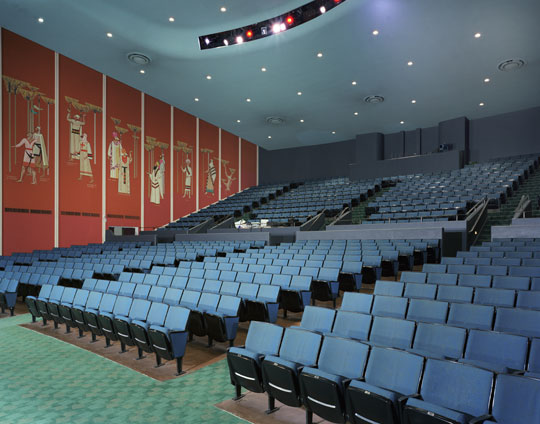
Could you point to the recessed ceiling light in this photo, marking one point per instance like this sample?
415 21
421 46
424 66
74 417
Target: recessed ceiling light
209 77
248 100
319 54
401 122
413 101
239 40
109 34
487 80
355 113
226 42
142 71
354 83
41 20
196 99
481 104
223 9
375 32
322 9
299 93
333 132
302 121
263 69
238 120
171 19
269 136
410 63
477 35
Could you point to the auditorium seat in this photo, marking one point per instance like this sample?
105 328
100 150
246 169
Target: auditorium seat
468 316
31 302
389 306
389 288
122 323
169 341
299 348
96 304
323 388
423 310
519 321
511 282
352 325
413 277
298 295
420 291
392 332
121 307
245 362
350 276
53 305
439 341
197 324
528 300
469 280
317 319
357 302
455 294
66 306
450 392
495 297
222 322
390 374
325 286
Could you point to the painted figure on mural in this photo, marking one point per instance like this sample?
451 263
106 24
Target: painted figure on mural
28 165
115 154
227 182
40 151
85 156
155 180
75 133
211 177
188 172
124 185
162 175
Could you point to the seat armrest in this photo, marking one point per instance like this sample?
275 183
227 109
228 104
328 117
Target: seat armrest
403 399
481 419
240 347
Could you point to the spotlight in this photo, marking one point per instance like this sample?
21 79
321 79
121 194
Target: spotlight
239 40
322 10
249 33
226 42
276 28
289 20
41 20
264 30
171 19
207 40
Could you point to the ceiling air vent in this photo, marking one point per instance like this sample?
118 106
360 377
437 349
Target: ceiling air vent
374 99
138 58
511 65
275 120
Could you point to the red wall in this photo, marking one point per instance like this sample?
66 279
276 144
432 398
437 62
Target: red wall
185 141
123 201
80 166
28 71
249 164
28 220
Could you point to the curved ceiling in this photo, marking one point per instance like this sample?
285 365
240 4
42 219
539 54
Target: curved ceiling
446 78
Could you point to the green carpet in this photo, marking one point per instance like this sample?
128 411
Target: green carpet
44 380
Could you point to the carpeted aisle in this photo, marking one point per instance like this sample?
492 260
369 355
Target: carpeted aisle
44 380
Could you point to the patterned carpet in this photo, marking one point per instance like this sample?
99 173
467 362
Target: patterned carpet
44 380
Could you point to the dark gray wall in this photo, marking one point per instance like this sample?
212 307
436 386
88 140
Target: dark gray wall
480 139
510 134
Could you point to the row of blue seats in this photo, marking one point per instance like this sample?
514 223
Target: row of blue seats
501 276
447 213
132 320
508 296
518 321
516 242
500 352
505 260
343 380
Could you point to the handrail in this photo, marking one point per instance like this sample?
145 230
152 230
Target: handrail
477 212
521 209
340 215
308 225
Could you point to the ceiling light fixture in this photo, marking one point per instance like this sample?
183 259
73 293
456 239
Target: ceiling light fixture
355 113
481 104
333 132
299 93
238 120
109 34
487 80
322 9
196 99
142 71
302 121
239 40
354 83
269 136
171 19
223 9
477 35
401 122
410 63
248 100
413 102
319 54
209 77
41 20
263 69
375 32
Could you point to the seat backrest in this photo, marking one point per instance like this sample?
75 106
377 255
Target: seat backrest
343 357
195 284
300 282
122 305
156 294
413 277
525 271
268 293
495 297
190 299
172 296
165 281
471 316
227 276
101 286
283 281
264 338
229 305
45 291
262 278
177 318
67 296
424 310
89 283
516 399
492 270
208 302
389 306
394 370
510 282
139 309
151 279
461 269
137 278
245 277
528 300
457 386
357 302
469 280
440 340
157 314
534 356
506 350
328 274
56 293
127 289
248 290
230 288
518 321
318 319
179 282
388 288
353 325
420 291
392 332
446 279
458 294
300 346
141 291
94 300
451 261
434 268
81 297
196 273
352 267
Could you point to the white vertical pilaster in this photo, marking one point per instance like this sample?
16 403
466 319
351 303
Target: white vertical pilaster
171 161
104 158
197 167
257 164
143 174
239 164
56 147
219 170
1 158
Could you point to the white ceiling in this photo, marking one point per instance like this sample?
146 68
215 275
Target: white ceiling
446 78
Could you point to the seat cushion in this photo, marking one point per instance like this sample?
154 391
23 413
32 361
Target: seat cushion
283 362
439 410
247 353
106 314
160 329
388 394
140 324
317 372
91 311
